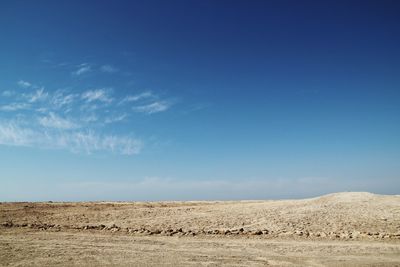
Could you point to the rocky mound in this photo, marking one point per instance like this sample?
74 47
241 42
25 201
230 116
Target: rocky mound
340 215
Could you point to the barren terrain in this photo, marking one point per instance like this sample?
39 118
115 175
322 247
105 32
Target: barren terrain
343 229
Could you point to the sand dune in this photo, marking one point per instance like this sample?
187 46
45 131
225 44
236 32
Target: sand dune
365 224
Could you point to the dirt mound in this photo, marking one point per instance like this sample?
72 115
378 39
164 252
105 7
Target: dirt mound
346 229
348 215
345 197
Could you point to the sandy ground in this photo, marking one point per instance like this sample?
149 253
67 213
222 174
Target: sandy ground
344 229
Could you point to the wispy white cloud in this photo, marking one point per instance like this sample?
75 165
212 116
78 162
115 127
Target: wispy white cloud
55 121
154 107
7 93
12 134
88 142
66 119
108 69
24 84
97 95
42 110
82 69
38 95
116 118
122 145
61 99
134 98
15 107
89 118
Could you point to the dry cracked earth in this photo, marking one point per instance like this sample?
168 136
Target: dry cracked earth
342 229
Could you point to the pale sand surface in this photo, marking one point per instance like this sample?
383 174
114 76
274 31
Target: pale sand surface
344 229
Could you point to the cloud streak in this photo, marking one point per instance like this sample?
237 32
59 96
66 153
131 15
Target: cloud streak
61 99
38 95
116 118
154 107
12 134
134 98
75 121
82 69
15 107
97 95
89 142
24 84
54 121
7 93
108 69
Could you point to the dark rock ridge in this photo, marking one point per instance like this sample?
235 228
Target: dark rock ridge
347 235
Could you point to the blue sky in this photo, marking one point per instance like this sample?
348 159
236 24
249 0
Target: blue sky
185 100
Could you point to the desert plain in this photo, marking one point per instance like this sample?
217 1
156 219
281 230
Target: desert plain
341 229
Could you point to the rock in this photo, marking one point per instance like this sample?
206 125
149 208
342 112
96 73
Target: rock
112 226
156 232
7 224
284 234
394 235
344 236
148 232
298 232
355 234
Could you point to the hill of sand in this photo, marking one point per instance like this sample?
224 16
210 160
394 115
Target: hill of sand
336 229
